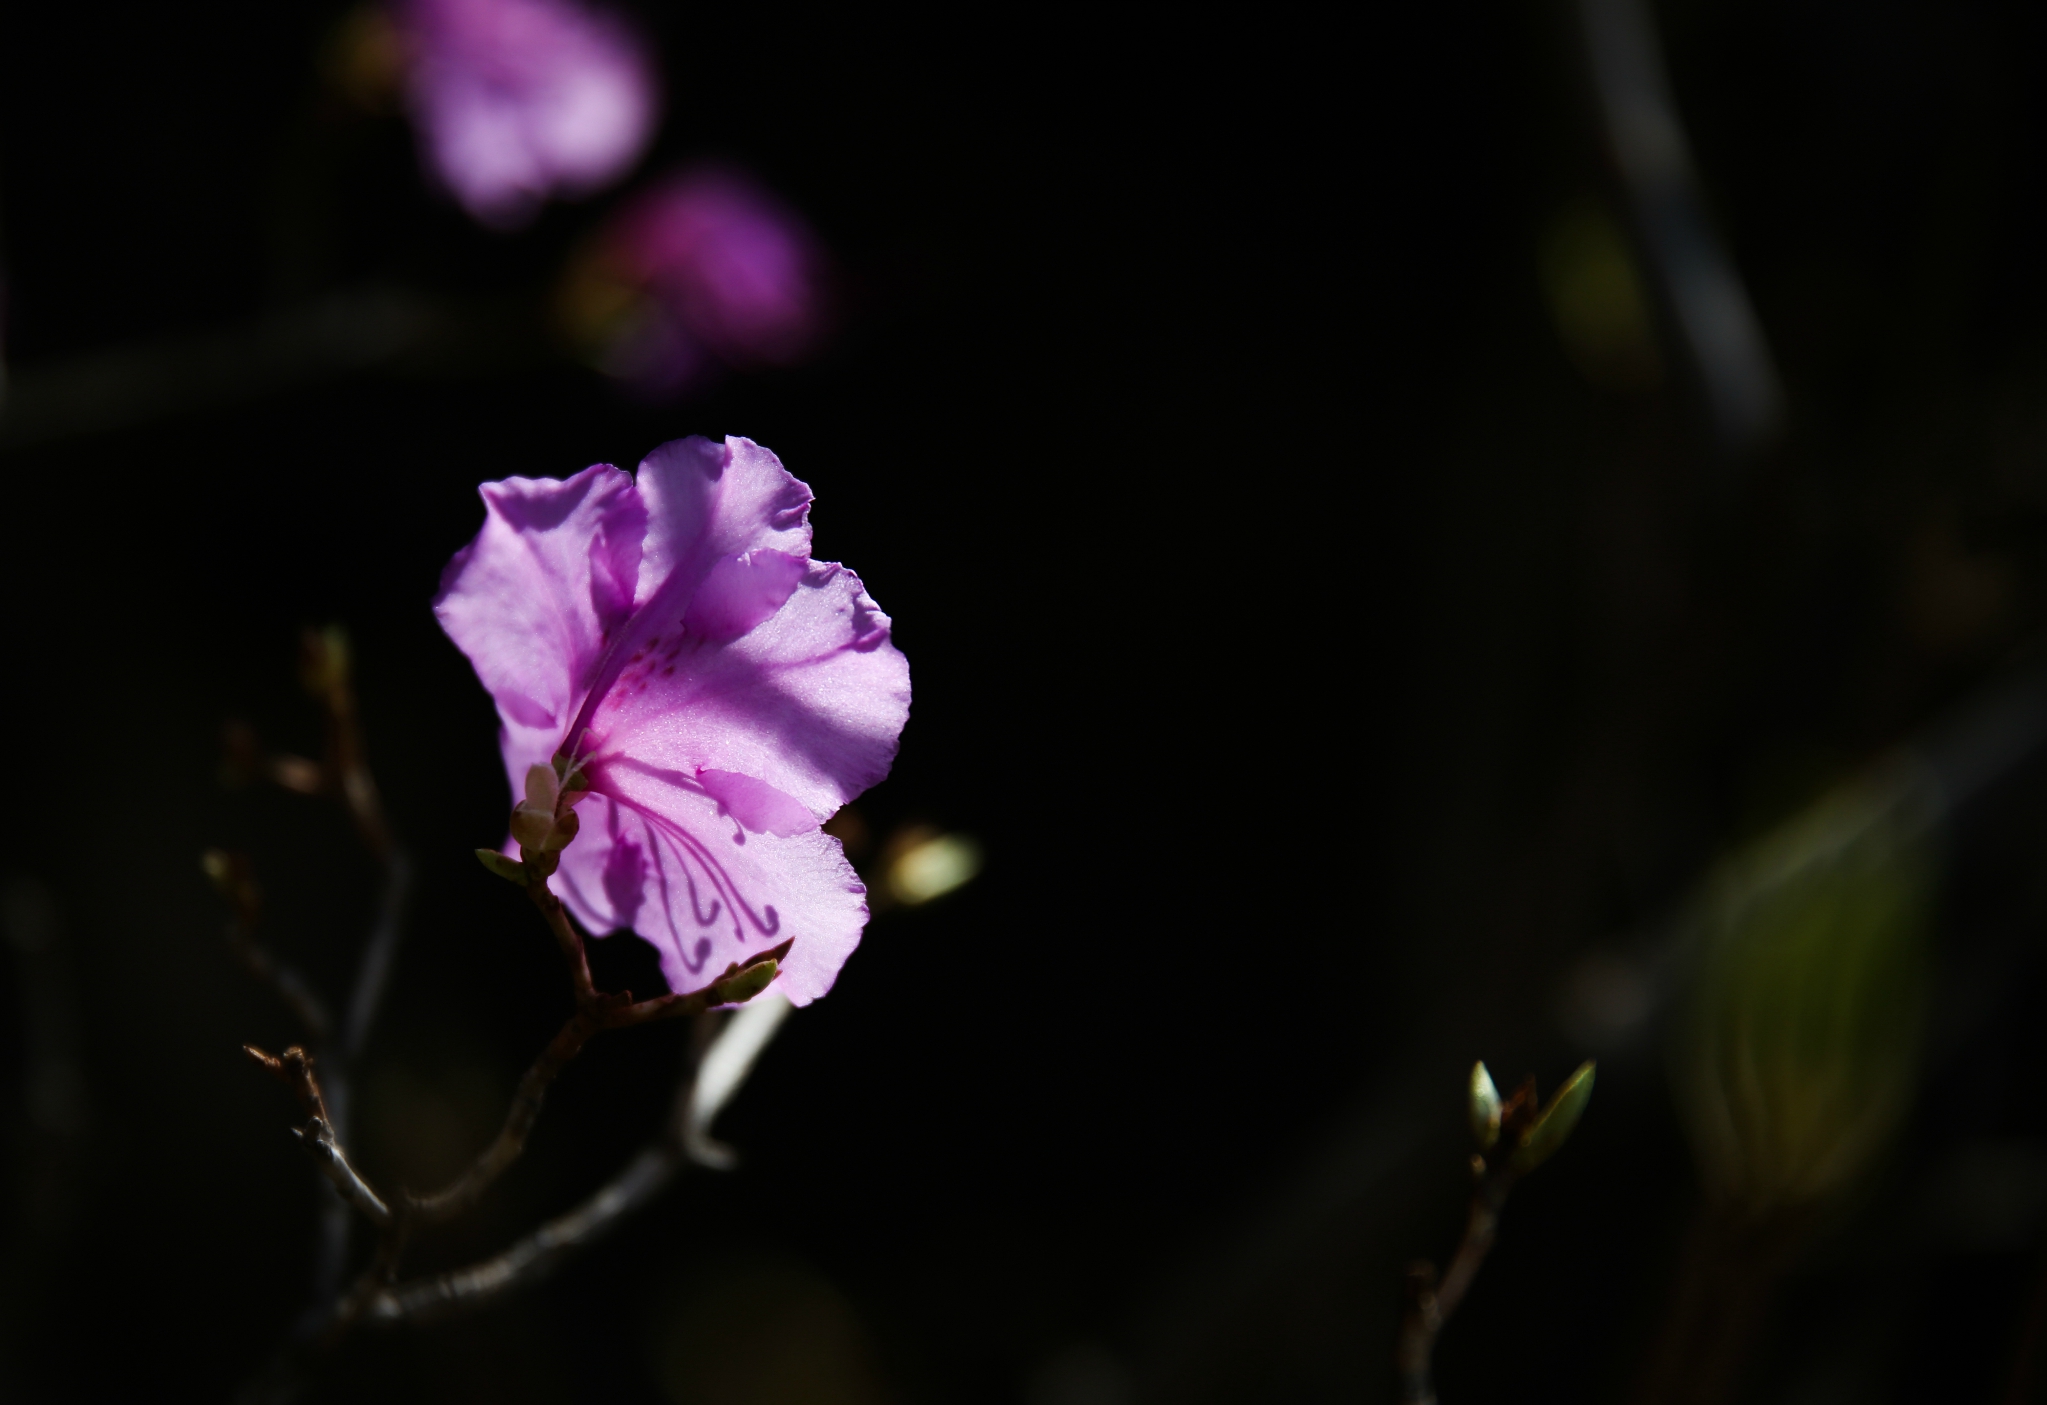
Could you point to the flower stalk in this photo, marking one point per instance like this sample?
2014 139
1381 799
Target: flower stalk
1514 1136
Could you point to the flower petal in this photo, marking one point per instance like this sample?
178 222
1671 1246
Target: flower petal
758 806
517 100
534 599
740 592
709 501
810 701
658 859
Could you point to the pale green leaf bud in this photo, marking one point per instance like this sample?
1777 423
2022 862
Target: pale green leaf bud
543 788
504 867
1485 1107
744 984
1541 1141
532 827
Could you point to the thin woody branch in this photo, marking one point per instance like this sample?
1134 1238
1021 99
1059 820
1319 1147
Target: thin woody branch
319 1141
292 988
1514 1137
736 986
324 669
511 1138
374 972
233 876
566 938
342 773
716 1076
537 1254
294 1068
1430 1303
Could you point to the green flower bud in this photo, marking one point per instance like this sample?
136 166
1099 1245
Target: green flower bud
747 982
532 827
543 788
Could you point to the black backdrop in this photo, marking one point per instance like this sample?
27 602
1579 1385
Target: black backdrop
1320 660
1102 305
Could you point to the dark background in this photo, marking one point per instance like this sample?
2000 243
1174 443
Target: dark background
1324 661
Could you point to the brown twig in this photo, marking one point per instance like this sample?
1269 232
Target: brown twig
379 1298
234 877
1430 1303
511 1138
596 1014
566 938
294 1068
324 668
374 972
536 1255
377 1294
343 774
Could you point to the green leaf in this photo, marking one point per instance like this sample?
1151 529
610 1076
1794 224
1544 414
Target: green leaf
509 869
744 984
1541 1141
1485 1107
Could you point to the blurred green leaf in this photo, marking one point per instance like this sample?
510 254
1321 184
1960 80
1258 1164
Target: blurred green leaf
1553 1127
1799 1056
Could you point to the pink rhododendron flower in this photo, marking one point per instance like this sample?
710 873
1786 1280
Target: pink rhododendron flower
725 272
518 100
723 692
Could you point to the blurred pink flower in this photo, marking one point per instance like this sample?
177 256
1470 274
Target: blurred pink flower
720 270
724 692
519 100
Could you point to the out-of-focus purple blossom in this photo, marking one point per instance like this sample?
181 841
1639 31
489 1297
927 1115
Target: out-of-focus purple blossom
519 100
720 693
704 268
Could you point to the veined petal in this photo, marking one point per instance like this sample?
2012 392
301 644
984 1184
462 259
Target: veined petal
734 692
810 701
536 598
709 501
740 592
758 806
656 857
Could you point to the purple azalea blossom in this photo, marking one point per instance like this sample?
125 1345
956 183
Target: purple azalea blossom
729 272
518 100
724 692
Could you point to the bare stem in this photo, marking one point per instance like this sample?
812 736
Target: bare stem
567 938
319 1140
1430 1303
291 987
234 876
294 1068
537 1254
374 974
511 1138
725 1054
595 1013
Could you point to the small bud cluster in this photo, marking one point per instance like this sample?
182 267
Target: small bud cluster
543 823
1532 1132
